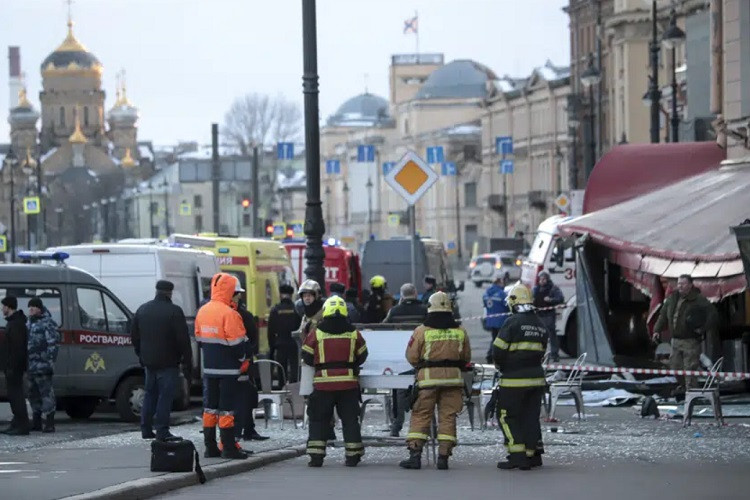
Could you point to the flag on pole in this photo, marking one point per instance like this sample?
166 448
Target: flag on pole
411 25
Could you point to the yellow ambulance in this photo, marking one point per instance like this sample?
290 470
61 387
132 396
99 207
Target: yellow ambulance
261 266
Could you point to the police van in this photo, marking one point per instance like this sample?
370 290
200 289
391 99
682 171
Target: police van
96 360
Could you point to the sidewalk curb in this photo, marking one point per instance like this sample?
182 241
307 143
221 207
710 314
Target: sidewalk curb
152 486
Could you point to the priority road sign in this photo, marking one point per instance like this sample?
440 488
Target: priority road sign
3 244
394 220
31 205
186 209
411 177
562 202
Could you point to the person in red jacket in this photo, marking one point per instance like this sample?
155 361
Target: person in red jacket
221 335
336 349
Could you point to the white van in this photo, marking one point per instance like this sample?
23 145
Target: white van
131 271
559 262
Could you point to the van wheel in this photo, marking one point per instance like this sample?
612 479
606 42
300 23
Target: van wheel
129 398
570 339
80 408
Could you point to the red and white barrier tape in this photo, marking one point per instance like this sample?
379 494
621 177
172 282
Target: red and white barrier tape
647 371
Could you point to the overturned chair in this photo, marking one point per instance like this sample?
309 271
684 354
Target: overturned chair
571 385
709 392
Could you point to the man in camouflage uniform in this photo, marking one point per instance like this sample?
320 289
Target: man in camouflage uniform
43 345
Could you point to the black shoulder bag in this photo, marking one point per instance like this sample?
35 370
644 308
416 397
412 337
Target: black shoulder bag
176 455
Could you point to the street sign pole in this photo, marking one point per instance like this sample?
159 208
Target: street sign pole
214 179
413 234
256 196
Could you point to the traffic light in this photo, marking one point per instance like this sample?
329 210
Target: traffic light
290 233
269 227
245 203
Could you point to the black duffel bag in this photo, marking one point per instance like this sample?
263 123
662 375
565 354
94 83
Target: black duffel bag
176 455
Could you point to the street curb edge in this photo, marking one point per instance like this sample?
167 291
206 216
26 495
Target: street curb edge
152 486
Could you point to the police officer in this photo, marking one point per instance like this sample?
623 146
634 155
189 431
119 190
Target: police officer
379 302
496 309
43 346
336 350
439 350
282 321
309 307
518 351
221 336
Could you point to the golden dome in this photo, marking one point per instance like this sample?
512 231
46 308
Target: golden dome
23 100
127 160
71 56
77 136
71 43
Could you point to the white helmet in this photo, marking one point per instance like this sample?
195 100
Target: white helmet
309 286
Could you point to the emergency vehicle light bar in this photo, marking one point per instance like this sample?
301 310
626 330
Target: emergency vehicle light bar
56 256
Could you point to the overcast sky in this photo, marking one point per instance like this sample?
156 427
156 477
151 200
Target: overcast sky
186 60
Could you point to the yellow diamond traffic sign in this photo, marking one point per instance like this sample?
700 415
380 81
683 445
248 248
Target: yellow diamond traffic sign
562 202
411 177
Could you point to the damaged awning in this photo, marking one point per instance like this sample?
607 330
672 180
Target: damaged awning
679 229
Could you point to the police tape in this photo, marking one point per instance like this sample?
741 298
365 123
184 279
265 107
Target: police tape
647 371
499 315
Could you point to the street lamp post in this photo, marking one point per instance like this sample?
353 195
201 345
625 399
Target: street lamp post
28 167
151 210
653 89
104 203
314 225
10 162
589 78
369 207
165 186
671 39
346 203
114 215
327 192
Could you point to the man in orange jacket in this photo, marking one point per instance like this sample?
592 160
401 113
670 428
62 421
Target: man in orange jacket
221 335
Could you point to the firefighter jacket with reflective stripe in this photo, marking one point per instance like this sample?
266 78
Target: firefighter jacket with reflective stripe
336 358
220 332
435 346
519 349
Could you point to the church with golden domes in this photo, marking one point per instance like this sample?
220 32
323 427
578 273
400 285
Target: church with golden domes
73 115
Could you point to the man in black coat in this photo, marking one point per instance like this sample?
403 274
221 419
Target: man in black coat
283 320
161 341
13 361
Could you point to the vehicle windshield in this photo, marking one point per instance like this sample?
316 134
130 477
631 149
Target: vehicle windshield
508 261
482 260
540 247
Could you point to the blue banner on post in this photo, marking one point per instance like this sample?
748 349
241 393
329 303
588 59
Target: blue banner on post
333 167
435 154
506 166
449 168
285 151
365 153
504 145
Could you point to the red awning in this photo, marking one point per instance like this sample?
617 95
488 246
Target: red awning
632 170
679 229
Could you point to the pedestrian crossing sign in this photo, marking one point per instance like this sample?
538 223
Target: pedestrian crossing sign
31 205
3 244
186 209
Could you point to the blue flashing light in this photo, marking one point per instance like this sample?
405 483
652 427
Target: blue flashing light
223 250
56 256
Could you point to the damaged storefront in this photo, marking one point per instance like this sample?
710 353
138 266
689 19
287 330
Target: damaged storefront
630 255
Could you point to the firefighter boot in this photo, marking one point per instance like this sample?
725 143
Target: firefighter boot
229 447
521 463
536 460
36 424
414 461
442 462
49 423
315 461
209 439
352 461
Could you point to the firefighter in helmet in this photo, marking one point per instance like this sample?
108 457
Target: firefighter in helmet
518 350
379 302
309 306
439 350
336 350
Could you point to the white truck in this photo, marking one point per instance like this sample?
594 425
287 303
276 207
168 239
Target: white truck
559 262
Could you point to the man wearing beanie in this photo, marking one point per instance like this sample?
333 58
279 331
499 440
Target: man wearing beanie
13 362
162 342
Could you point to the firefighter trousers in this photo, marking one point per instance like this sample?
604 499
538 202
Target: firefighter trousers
449 401
219 401
518 411
320 406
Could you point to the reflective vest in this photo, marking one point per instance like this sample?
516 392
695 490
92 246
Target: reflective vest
441 358
336 358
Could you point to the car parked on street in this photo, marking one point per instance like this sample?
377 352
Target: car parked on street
485 268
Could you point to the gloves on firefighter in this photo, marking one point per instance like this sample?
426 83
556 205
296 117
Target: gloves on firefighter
245 366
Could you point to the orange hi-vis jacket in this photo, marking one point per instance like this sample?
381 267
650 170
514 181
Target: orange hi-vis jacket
220 332
336 358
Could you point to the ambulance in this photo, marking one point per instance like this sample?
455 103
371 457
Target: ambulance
260 265
341 264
